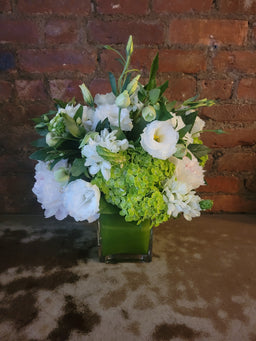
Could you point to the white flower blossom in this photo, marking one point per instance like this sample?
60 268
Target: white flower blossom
197 127
178 124
180 199
93 160
189 172
159 139
112 113
49 192
70 110
107 99
81 200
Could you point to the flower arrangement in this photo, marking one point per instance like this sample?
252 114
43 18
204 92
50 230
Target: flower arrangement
131 150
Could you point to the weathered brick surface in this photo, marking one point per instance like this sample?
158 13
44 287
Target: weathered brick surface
177 6
39 61
202 31
48 48
122 7
217 89
61 7
116 32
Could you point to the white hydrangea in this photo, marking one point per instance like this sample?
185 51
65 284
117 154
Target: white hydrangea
180 199
93 160
81 200
189 172
159 139
107 99
49 192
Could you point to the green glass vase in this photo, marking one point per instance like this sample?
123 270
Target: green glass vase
121 241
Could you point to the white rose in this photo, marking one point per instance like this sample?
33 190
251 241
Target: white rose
188 171
159 139
81 199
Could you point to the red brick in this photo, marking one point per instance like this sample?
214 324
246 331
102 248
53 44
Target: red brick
36 61
237 162
215 88
13 113
181 88
31 90
109 63
237 6
238 137
177 6
122 7
5 6
18 31
74 7
228 61
66 89
116 32
250 182
35 109
61 31
232 203
202 31
5 90
182 61
10 165
225 184
231 112
99 86
246 88
170 60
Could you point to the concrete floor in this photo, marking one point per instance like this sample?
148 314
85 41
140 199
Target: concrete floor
201 284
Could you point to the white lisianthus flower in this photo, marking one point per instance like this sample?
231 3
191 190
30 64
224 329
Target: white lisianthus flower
188 171
87 117
49 192
180 199
70 110
197 127
93 160
108 98
81 200
112 113
159 139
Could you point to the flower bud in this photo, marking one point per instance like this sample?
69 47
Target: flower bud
51 139
86 95
132 86
149 113
123 100
129 47
61 175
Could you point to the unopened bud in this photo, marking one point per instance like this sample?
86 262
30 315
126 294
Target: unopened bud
51 140
86 95
129 47
132 86
149 113
61 175
123 100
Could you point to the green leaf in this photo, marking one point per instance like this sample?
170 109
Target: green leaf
162 114
60 103
42 131
190 119
142 94
40 154
183 131
180 151
112 80
170 105
39 143
154 95
79 113
153 71
102 125
71 126
78 167
127 81
198 150
163 87
119 134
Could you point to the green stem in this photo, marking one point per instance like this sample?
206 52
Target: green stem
119 118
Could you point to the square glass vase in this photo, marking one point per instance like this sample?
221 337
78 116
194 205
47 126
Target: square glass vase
121 241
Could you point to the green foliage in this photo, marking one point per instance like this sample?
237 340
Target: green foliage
206 204
137 186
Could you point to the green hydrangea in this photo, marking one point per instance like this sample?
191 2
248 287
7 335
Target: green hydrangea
136 187
57 125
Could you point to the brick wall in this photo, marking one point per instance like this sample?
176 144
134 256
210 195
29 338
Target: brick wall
207 47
